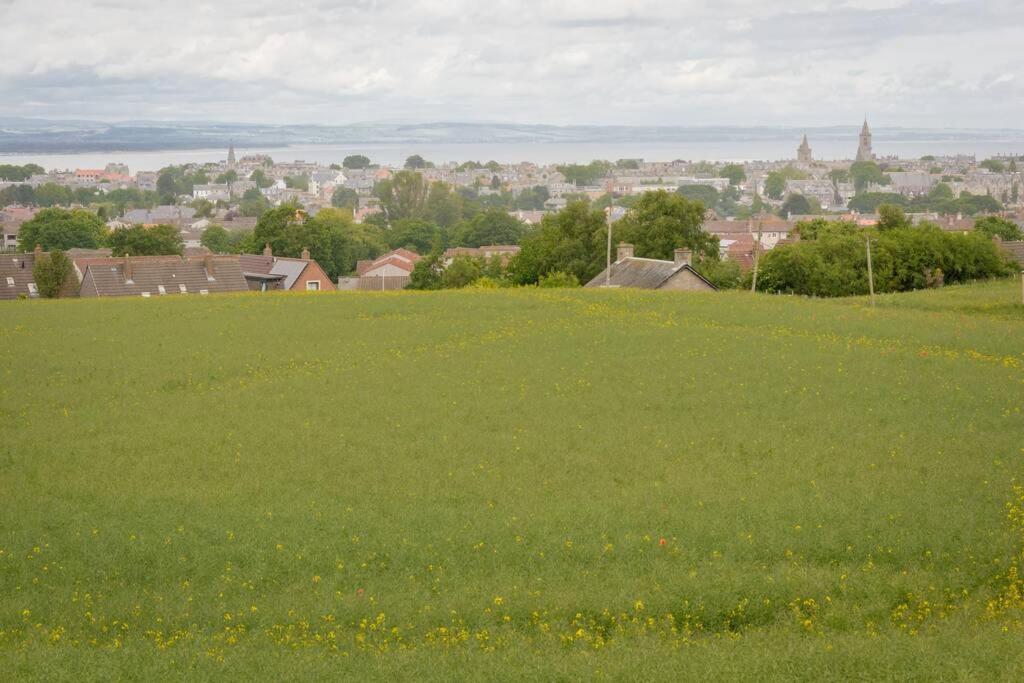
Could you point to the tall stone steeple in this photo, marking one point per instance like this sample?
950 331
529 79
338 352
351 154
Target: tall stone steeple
231 155
803 152
864 152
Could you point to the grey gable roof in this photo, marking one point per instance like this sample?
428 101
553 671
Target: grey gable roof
642 273
149 273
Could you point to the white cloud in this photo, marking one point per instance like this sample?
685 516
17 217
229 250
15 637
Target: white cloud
909 62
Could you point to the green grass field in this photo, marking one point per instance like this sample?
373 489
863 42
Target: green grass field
513 484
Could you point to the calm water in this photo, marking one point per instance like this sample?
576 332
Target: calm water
542 153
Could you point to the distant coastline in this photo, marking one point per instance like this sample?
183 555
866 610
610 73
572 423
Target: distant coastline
29 137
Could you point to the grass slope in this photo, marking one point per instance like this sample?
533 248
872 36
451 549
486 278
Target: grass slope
513 485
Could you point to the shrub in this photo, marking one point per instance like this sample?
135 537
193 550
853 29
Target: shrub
558 279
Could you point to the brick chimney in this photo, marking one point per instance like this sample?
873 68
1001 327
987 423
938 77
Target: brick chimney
208 266
683 257
305 254
128 269
266 250
38 250
624 251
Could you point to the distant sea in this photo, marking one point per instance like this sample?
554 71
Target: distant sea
394 154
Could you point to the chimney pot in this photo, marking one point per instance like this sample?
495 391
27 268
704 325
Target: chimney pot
266 250
624 251
683 257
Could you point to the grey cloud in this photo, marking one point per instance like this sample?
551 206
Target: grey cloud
915 62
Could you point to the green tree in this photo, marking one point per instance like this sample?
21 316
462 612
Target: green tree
356 161
227 177
416 234
253 203
417 162
51 273
461 272
345 198
705 194
994 165
661 222
795 205
571 241
299 182
866 173
892 217
404 195
775 185
216 239
558 280
585 174
141 240
427 274
492 226
260 178
16 174
994 226
52 194
54 229
734 172
870 201
203 207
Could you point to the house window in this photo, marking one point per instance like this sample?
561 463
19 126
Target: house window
10 282
204 292
32 289
183 289
145 295
161 289
313 286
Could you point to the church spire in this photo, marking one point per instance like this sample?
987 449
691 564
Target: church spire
864 151
231 155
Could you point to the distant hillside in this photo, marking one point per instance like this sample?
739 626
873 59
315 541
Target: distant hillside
28 136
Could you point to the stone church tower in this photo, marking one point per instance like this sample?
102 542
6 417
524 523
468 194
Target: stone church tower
231 155
803 152
864 152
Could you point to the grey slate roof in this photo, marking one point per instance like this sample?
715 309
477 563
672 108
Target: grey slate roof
289 268
149 273
1016 250
15 275
642 273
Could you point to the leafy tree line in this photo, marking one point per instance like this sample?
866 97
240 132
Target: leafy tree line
831 258
940 200
570 247
16 174
114 202
57 229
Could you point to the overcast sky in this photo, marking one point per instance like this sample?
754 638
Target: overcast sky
934 63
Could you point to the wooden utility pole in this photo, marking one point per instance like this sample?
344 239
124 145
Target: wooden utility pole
871 275
608 258
757 252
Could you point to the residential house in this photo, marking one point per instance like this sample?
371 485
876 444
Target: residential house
645 273
16 278
213 192
503 251
386 272
268 272
150 276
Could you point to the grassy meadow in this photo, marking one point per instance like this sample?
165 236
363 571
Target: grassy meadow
513 484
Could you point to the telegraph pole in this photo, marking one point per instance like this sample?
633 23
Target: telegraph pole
608 257
757 251
871 275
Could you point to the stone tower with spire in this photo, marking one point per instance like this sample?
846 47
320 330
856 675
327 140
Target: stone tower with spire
803 152
864 152
231 155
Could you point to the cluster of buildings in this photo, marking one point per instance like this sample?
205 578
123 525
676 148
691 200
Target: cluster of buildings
98 274
313 185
